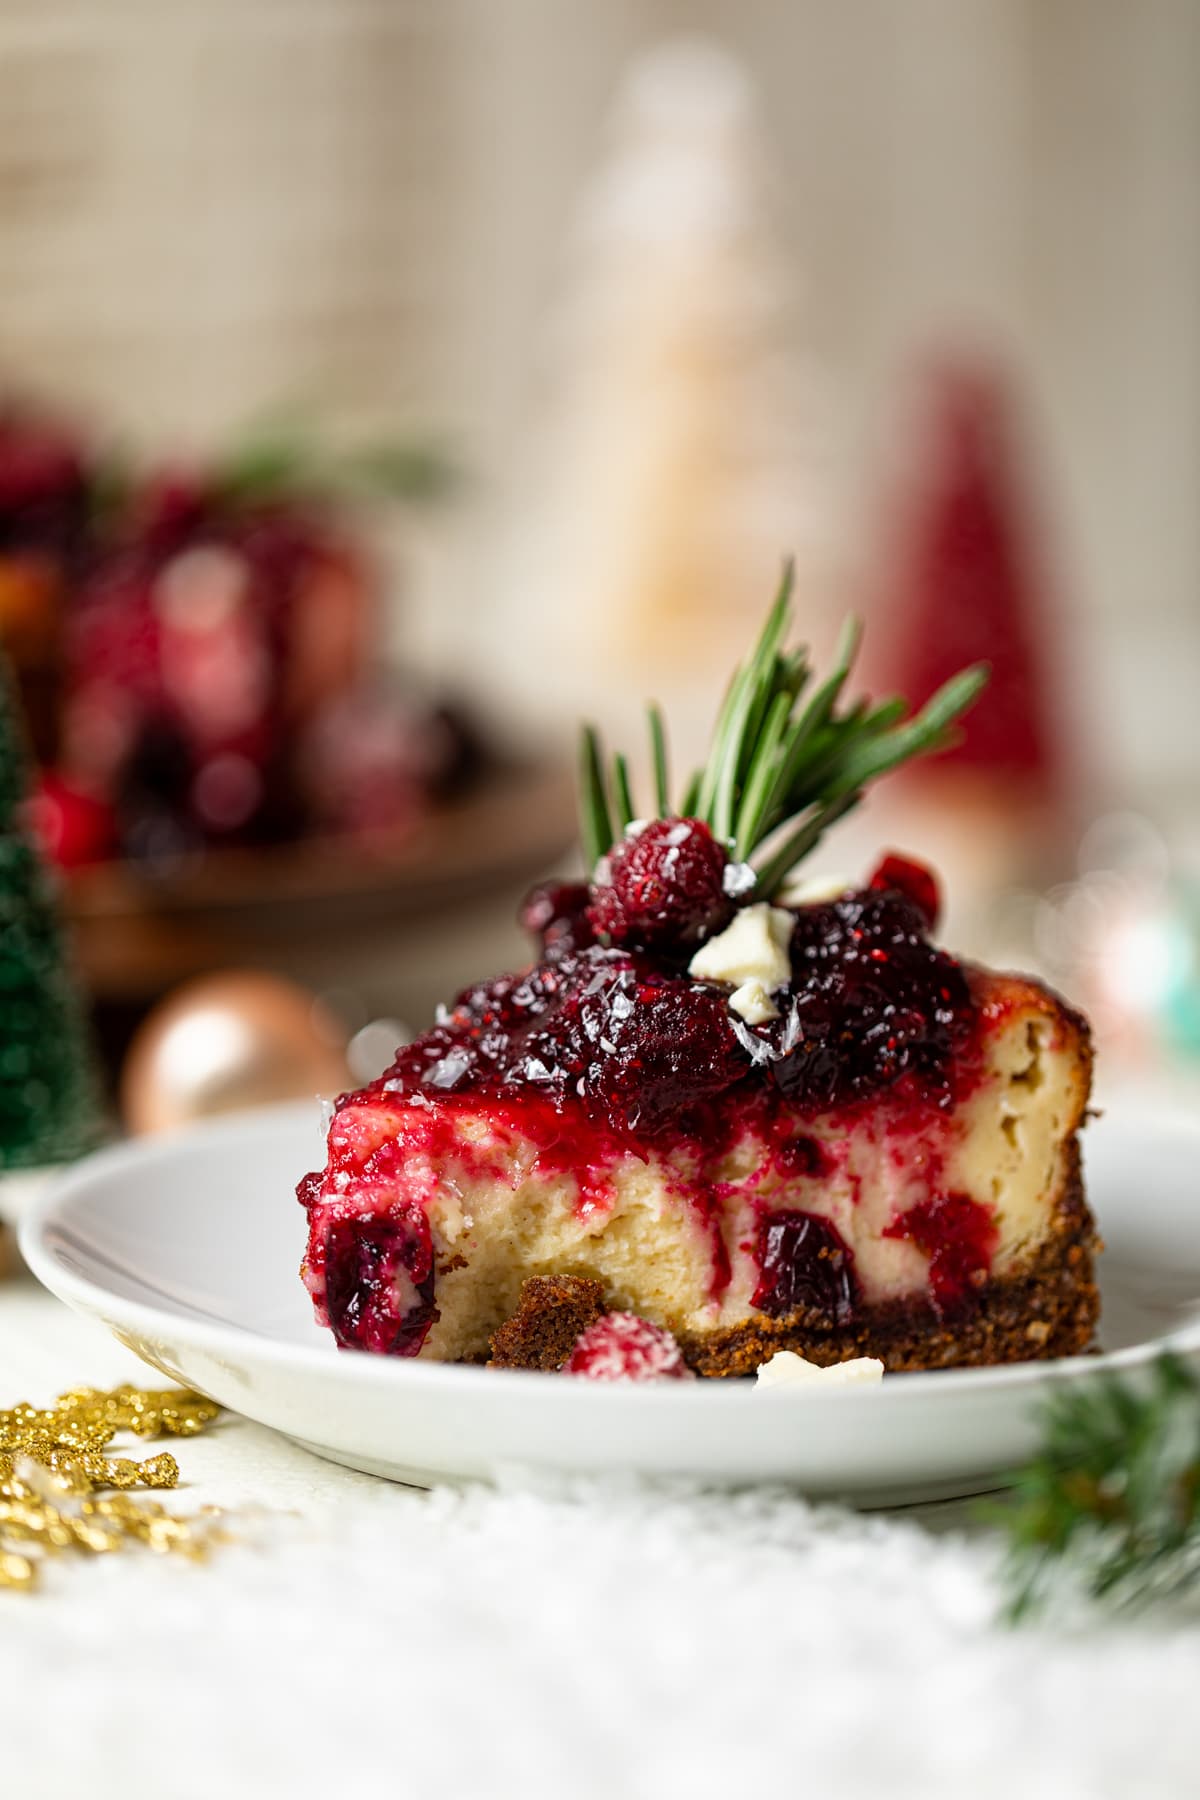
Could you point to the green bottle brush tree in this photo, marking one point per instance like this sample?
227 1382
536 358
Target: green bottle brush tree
49 1109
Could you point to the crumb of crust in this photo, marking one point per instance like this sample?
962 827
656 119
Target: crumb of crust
552 1313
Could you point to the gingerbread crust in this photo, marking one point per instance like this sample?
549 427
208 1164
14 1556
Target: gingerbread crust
553 1311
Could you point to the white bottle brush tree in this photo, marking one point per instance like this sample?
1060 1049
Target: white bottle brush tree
679 455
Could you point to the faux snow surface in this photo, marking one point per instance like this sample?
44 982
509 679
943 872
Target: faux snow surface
599 1641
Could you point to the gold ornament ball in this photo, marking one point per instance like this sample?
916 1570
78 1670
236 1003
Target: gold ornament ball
227 1042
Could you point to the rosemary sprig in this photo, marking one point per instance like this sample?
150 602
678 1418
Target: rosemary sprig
658 751
784 764
595 818
1111 1504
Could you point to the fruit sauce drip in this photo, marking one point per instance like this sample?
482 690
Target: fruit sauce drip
959 1238
607 1045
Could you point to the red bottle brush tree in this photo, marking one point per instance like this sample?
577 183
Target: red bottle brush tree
966 584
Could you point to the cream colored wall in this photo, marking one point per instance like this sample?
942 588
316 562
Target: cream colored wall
207 209
1020 172
359 205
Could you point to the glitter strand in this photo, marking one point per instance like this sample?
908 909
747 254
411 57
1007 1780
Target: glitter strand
61 1489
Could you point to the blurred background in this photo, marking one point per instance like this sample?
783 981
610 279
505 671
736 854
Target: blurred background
384 383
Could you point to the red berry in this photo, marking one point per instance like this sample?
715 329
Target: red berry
71 827
40 465
379 1281
665 888
915 881
803 1262
555 916
622 1347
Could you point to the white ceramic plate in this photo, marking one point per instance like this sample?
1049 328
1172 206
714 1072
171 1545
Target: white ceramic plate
187 1249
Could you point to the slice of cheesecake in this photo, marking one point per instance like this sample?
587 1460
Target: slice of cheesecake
892 1171
759 1127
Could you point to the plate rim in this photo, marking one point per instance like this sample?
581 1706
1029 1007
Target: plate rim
87 1295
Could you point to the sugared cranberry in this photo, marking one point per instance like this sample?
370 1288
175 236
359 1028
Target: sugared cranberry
555 916
804 1265
665 889
915 881
872 1001
959 1237
622 1347
379 1281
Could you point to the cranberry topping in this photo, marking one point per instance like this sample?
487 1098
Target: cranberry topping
555 916
872 1001
959 1237
379 1282
622 1347
804 1263
640 1048
665 889
916 881
645 1051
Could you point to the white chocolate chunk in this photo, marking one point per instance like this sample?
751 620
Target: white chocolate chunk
786 1369
810 890
752 947
753 1003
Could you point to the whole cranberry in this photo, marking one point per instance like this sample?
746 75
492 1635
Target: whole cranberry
665 889
623 1347
379 1282
915 880
804 1265
555 916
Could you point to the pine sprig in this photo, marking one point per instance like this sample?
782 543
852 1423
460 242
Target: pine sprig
284 466
1110 1507
785 763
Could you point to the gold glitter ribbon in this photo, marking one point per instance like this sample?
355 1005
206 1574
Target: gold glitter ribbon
62 1490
